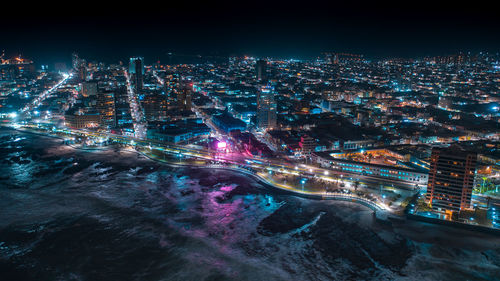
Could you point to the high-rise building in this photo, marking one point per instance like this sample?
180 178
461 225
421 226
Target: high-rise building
155 107
106 108
261 70
184 93
451 178
89 88
266 108
82 71
135 64
136 69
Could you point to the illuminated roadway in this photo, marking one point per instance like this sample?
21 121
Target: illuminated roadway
254 166
36 101
136 111
160 81
274 165
259 168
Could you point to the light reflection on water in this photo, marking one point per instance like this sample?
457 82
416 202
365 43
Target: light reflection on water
119 216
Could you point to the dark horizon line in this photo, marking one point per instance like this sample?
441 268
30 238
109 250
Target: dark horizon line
100 58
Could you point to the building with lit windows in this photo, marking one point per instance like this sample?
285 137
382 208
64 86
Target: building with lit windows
307 144
106 108
179 131
136 69
155 107
228 123
184 94
266 108
451 178
78 120
89 88
261 70
398 171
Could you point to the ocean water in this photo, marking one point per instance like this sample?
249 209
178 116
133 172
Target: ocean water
112 214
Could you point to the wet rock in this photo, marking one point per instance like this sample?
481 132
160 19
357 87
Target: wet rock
288 217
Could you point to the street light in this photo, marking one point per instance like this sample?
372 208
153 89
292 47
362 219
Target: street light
302 182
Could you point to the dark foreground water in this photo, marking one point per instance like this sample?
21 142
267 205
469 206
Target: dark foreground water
68 214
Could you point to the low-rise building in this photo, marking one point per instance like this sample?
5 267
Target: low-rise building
405 174
83 120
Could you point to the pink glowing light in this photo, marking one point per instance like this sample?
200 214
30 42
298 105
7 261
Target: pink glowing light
221 145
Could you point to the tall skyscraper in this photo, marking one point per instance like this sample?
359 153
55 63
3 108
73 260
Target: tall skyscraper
82 71
184 93
136 69
266 108
261 70
451 178
79 65
106 108
136 63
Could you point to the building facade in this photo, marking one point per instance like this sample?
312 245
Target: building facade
266 108
261 70
136 69
184 94
81 121
451 179
384 172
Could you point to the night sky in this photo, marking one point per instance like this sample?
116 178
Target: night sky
285 29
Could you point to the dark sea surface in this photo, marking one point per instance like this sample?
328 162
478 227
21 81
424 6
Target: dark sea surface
112 214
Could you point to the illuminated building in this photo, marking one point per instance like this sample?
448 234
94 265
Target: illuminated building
261 70
135 64
89 88
184 94
397 173
307 144
136 69
451 178
82 72
106 107
77 120
227 123
155 107
17 67
266 108
180 131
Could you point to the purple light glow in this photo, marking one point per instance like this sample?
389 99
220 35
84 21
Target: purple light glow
221 145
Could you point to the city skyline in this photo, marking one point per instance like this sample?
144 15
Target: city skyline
250 141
